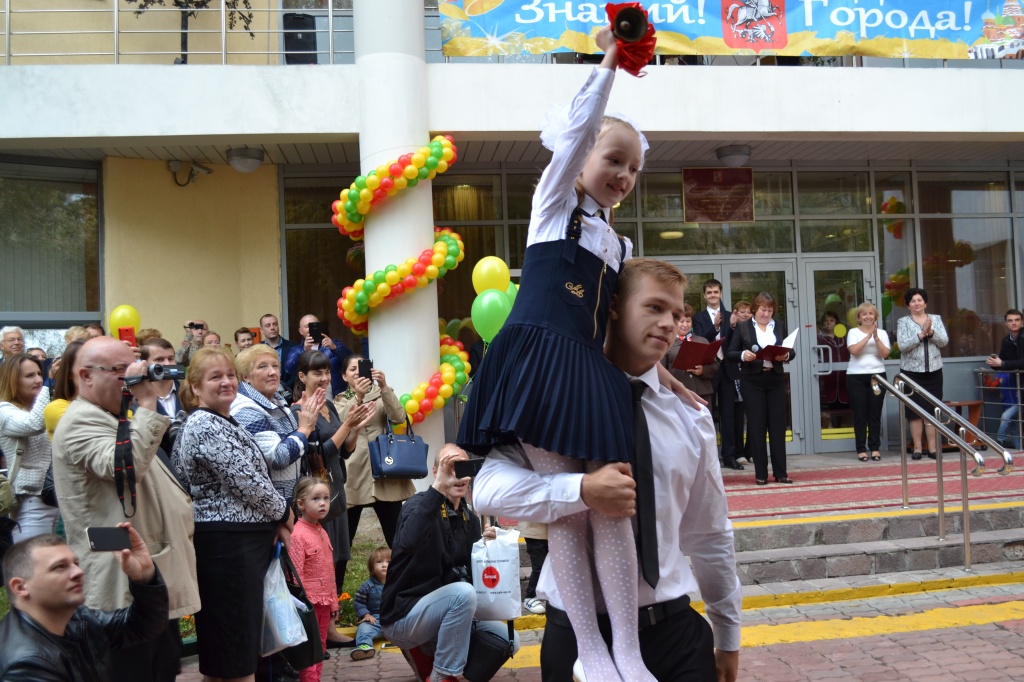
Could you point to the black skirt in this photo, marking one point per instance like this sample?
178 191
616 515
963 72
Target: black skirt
929 381
231 566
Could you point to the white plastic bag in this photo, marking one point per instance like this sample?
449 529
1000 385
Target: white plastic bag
496 576
282 627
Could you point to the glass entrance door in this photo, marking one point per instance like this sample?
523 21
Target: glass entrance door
743 281
832 290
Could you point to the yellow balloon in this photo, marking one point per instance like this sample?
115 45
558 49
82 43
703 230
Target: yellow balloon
372 182
412 407
382 172
851 318
422 282
375 298
445 390
441 324
490 272
447 366
124 316
391 277
417 160
442 165
418 394
401 182
448 378
840 331
403 271
365 195
431 272
438 401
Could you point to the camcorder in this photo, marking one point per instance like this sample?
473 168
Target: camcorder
158 373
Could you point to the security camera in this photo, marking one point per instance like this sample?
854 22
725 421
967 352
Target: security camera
200 168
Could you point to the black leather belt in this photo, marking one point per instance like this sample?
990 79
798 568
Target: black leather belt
648 615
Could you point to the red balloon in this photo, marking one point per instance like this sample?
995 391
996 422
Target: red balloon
458 344
404 160
450 138
426 405
376 200
341 315
387 183
334 221
418 270
337 205
410 281
431 392
418 417
398 289
455 157
379 194
447 341
396 170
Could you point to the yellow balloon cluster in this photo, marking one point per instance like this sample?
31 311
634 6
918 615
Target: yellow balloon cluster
448 381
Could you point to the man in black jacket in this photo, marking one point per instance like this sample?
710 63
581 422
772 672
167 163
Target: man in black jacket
1011 351
429 600
50 635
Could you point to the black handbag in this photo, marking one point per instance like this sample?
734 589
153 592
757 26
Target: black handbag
311 651
487 653
395 455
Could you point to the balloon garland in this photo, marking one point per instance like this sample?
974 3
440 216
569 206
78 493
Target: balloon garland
350 211
387 180
395 280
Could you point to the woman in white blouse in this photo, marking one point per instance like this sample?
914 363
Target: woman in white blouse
920 337
23 439
869 347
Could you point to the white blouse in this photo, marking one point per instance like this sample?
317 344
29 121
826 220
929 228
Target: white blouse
554 200
868 361
765 338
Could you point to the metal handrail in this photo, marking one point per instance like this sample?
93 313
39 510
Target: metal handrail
966 425
878 382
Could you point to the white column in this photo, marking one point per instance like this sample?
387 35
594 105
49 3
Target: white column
389 49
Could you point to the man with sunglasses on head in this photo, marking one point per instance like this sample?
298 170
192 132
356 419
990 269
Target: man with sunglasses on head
102 483
195 332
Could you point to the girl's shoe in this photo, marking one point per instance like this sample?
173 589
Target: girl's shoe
363 651
915 455
876 455
862 456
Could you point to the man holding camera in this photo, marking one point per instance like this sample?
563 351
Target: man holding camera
195 332
102 483
158 352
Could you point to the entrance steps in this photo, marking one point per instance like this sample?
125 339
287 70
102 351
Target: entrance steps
885 541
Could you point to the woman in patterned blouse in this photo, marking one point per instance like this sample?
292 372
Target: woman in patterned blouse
920 336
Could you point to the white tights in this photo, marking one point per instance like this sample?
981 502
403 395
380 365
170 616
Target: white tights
615 559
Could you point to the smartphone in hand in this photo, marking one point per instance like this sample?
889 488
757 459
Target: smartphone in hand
316 332
467 468
364 367
127 334
109 539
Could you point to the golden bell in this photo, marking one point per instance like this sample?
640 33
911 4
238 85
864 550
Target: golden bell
630 25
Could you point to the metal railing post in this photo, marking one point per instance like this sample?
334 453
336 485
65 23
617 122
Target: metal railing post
223 32
330 30
903 451
965 503
117 34
7 32
939 482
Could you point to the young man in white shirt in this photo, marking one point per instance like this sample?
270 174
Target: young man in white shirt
690 506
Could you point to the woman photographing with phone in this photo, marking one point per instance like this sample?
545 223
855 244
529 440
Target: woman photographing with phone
384 495
869 347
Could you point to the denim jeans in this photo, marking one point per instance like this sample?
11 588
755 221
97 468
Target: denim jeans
444 619
367 632
34 517
1004 427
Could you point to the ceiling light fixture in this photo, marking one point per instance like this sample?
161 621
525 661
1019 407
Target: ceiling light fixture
245 160
734 155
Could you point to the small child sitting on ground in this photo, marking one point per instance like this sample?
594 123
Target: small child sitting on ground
367 602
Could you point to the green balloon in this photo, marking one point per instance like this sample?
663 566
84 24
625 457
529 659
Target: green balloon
404 398
391 268
362 298
423 172
460 378
353 196
360 182
512 292
452 330
490 310
886 305
450 262
430 162
369 286
378 277
414 181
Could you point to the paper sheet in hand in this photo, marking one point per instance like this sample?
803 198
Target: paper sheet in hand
771 352
692 354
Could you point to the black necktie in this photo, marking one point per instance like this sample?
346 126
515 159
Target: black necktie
643 472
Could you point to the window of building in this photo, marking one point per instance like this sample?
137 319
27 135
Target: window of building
833 192
967 270
49 244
